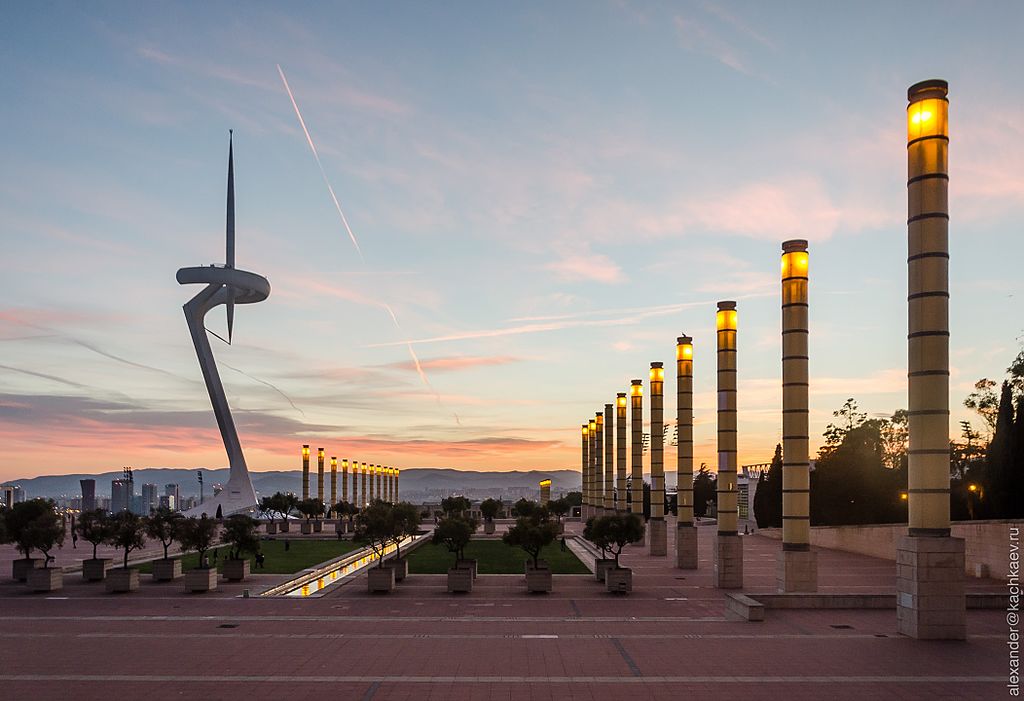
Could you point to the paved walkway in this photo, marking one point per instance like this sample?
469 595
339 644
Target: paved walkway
668 640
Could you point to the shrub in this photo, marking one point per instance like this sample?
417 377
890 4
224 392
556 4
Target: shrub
240 535
197 534
94 527
163 525
532 532
127 532
614 532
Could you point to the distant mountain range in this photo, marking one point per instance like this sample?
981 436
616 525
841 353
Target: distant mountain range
416 482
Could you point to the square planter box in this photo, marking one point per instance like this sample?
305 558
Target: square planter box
166 570
380 579
340 527
46 579
201 580
469 565
538 580
271 528
401 568
619 580
21 567
284 526
95 570
489 527
306 528
236 570
460 580
318 526
120 580
602 565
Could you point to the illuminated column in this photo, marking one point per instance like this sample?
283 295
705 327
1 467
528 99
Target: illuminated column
545 492
797 568
728 546
930 585
380 482
320 474
344 480
305 472
620 452
584 473
686 533
366 497
636 481
334 483
656 527
398 474
389 484
599 464
591 452
609 459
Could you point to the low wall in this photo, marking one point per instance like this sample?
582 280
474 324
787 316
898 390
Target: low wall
987 542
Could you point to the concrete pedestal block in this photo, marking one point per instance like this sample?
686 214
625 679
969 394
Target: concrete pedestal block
20 568
95 570
460 580
380 579
728 561
199 580
401 568
284 527
166 570
271 528
305 528
489 527
658 530
931 602
686 547
46 579
121 580
797 570
538 580
619 580
318 526
602 565
468 564
236 570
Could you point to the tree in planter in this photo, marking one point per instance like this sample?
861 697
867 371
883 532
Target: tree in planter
240 535
197 534
310 508
26 523
454 533
614 532
344 509
559 507
532 533
163 525
127 532
375 526
268 508
455 506
588 534
489 508
44 532
405 522
284 504
529 509
94 528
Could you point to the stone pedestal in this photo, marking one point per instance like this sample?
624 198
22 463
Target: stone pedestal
306 528
728 561
619 580
95 570
166 570
686 547
271 528
236 570
797 570
121 580
469 564
199 580
380 579
20 568
538 580
318 526
602 565
283 527
46 579
930 599
460 580
658 530
400 566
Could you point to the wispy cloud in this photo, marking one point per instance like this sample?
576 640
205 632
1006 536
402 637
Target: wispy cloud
455 363
581 264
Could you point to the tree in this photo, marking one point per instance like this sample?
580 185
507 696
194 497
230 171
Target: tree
240 535
94 527
573 499
344 508
197 534
895 433
310 508
526 507
127 532
559 508
614 532
375 526
589 534
532 533
768 497
33 525
705 490
985 402
489 508
454 533
453 506
1001 462
268 507
850 417
163 525
406 521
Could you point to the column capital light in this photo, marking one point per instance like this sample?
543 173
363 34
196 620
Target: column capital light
794 245
726 305
934 88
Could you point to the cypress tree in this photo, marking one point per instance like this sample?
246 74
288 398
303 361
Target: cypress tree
999 460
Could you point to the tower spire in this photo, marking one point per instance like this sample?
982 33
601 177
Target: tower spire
230 261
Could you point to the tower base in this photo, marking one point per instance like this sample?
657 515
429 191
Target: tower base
728 561
686 547
659 537
930 600
797 570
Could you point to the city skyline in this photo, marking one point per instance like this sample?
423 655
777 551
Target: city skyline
537 225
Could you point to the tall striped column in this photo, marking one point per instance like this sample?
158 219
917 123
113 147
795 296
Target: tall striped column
591 452
334 484
686 533
366 496
320 474
931 602
398 473
305 471
585 474
797 565
636 477
656 527
380 482
609 459
620 453
344 480
598 460
728 546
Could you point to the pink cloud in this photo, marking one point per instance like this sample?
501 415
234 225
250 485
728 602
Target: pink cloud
455 363
583 265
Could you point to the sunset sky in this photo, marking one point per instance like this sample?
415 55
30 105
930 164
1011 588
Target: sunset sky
545 194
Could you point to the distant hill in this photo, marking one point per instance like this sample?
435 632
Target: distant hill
415 481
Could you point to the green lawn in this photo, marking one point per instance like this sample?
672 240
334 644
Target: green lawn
301 554
493 557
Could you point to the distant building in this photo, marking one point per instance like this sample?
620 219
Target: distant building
88 494
122 492
150 499
174 492
167 501
12 494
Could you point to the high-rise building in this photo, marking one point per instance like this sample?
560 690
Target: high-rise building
149 498
122 491
88 494
174 491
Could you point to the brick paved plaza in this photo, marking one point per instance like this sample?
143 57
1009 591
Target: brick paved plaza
670 639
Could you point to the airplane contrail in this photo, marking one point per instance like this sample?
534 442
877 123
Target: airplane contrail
264 382
316 156
344 220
